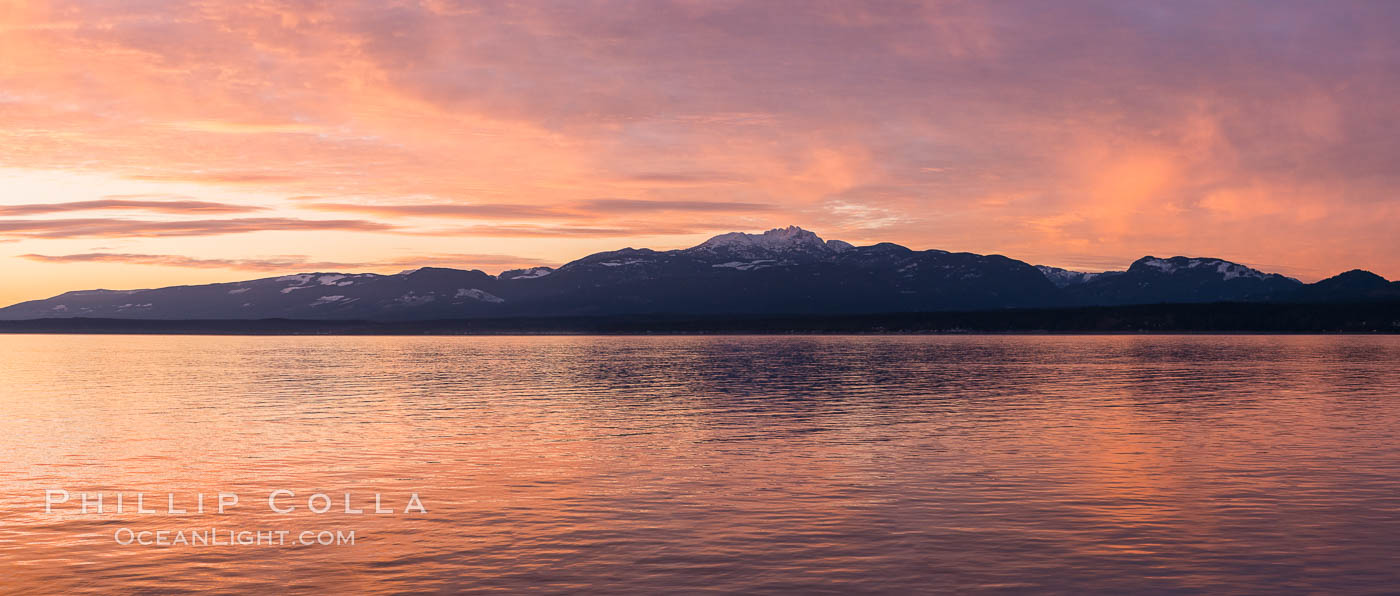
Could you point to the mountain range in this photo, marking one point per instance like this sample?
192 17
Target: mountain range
787 271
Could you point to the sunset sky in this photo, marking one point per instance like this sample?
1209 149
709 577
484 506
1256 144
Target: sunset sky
157 142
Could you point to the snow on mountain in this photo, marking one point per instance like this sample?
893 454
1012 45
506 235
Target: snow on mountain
478 295
1176 265
1064 277
791 240
742 266
1153 280
775 239
1225 269
622 262
531 273
327 300
839 246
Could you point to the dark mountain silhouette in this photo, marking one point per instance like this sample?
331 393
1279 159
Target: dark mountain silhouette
1151 280
787 271
1353 286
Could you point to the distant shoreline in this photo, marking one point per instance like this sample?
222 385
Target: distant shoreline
1219 318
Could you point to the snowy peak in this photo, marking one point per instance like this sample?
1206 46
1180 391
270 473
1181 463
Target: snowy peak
791 239
776 239
1175 265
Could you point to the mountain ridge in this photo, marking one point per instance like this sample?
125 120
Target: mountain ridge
780 271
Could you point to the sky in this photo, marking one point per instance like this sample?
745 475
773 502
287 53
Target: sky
146 143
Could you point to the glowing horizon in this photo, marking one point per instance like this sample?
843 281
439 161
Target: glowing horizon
146 145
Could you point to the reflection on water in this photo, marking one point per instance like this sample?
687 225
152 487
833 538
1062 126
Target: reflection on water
768 464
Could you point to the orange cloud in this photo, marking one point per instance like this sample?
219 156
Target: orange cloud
172 206
1262 134
289 263
123 228
475 211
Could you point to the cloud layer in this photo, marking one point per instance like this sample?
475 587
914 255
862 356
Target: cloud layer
128 228
290 263
167 206
1086 133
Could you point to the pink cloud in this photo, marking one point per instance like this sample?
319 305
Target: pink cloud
122 228
167 206
289 263
1265 133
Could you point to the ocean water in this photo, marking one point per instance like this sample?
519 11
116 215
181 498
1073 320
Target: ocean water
870 464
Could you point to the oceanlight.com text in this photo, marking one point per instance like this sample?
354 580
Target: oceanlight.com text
228 537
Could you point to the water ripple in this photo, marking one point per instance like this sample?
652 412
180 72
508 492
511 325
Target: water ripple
865 464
